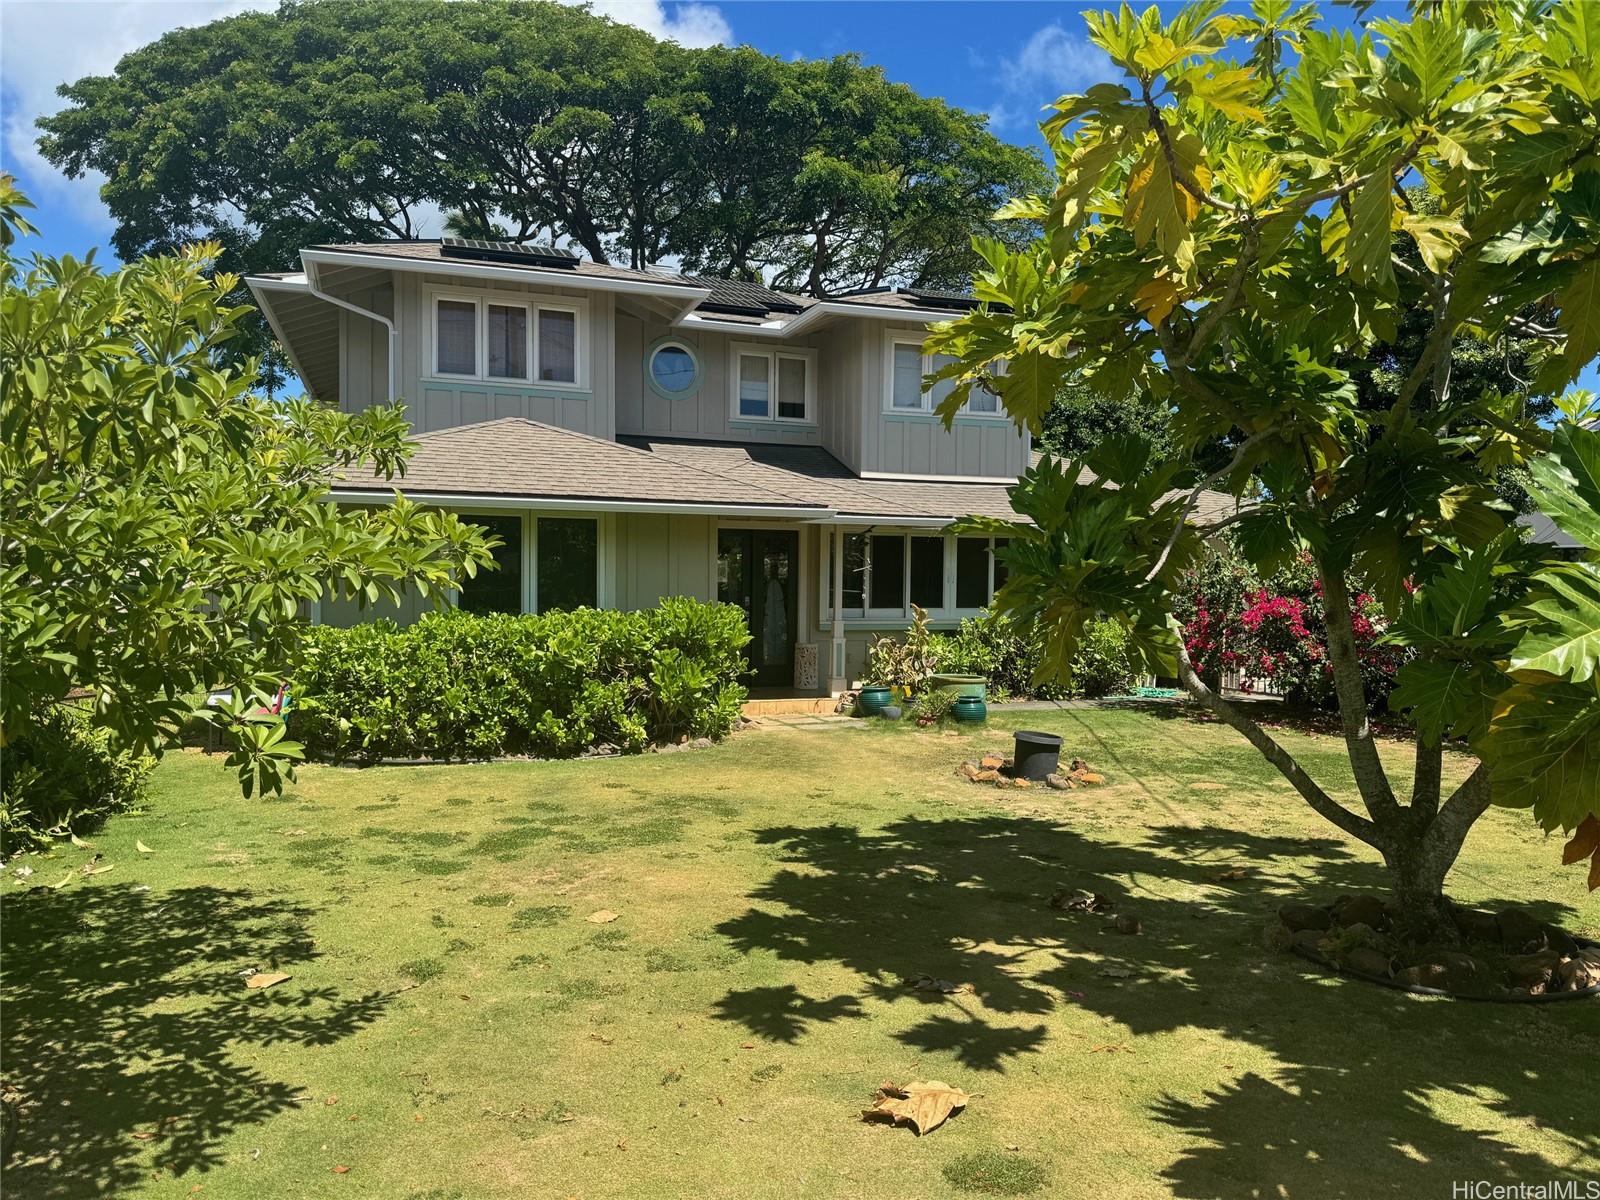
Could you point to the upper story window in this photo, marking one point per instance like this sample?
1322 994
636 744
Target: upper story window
907 366
673 369
770 384
507 339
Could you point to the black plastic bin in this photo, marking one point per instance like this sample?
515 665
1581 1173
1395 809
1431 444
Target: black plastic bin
1037 754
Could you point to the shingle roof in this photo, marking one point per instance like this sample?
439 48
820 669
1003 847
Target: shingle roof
431 252
517 458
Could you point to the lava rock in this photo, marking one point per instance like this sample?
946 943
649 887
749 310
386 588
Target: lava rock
1476 925
1059 781
1296 917
1432 975
1528 970
1368 961
1128 924
1462 972
1360 910
1520 933
1576 974
1308 941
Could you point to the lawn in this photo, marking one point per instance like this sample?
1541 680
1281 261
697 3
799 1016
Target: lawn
455 1025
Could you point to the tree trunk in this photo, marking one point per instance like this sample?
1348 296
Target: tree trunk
1417 880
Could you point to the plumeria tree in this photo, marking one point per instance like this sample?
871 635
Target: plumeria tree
166 528
1234 230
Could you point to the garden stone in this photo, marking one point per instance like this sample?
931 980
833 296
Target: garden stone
1576 974
1423 975
702 743
1296 917
1307 941
1368 961
1477 925
992 762
1360 910
968 769
987 775
1535 968
1128 924
1060 782
1561 942
1520 933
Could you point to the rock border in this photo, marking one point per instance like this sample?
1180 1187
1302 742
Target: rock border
1419 989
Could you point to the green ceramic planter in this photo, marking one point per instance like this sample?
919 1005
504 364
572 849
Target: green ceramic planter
872 699
961 685
970 709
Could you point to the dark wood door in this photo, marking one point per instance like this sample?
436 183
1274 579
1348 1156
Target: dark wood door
759 569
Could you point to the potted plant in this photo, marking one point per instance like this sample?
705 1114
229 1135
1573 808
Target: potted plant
903 664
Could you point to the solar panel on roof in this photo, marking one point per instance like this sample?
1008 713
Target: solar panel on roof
737 296
941 299
535 254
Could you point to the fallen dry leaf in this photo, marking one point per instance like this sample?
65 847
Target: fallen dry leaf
921 1106
90 869
602 916
331 1101
1234 873
80 843
265 979
341 1169
928 983
144 1135
142 848
1079 900
62 882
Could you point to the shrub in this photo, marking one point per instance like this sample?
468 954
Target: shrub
1005 655
460 686
63 775
933 706
903 662
1273 630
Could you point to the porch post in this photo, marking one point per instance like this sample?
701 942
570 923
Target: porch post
838 680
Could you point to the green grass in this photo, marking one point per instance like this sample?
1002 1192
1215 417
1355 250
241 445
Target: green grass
454 1026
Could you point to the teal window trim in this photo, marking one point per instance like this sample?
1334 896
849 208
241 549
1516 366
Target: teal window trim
688 348
771 426
926 418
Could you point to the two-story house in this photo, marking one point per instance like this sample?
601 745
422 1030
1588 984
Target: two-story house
631 435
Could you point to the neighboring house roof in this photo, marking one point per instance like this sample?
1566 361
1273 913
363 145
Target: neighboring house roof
1542 529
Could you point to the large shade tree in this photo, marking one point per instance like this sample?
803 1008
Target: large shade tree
362 119
163 527
1222 236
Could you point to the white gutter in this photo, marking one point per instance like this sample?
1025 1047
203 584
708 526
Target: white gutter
564 504
258 285
478 270
314 285
811 316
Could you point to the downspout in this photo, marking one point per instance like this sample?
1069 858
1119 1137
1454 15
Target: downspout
315 286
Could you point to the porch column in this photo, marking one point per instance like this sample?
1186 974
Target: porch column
838 680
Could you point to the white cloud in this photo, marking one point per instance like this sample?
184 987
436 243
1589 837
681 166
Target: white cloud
690 24
1052 63
44 43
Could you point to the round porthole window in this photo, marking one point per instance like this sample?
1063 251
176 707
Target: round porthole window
673 369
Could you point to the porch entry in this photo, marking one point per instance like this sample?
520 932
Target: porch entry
759 570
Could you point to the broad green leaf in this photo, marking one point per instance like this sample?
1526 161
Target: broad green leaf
1566 640
1366 247
1580 315
1446 696
1543 750
1566 483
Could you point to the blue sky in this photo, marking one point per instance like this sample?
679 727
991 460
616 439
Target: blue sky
1007 58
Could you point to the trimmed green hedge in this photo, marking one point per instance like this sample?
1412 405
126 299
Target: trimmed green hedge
1005 655
459 686
63 775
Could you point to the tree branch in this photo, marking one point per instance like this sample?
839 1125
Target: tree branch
1443 841
1324 804
1194 496
1360 745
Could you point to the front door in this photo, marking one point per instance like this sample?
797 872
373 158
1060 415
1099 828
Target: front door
758 569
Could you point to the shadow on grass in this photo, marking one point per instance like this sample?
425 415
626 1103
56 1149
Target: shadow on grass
1355 1107
125 1017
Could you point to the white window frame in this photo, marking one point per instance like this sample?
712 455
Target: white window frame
773 355
906 337
605 539
865 615
532 305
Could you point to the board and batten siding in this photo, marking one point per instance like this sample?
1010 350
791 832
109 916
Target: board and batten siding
914 443
441 404
661 555
707 413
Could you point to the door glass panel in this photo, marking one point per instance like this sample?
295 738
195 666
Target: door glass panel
569 560
888 574
776 604
972 572
927 571
500 590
